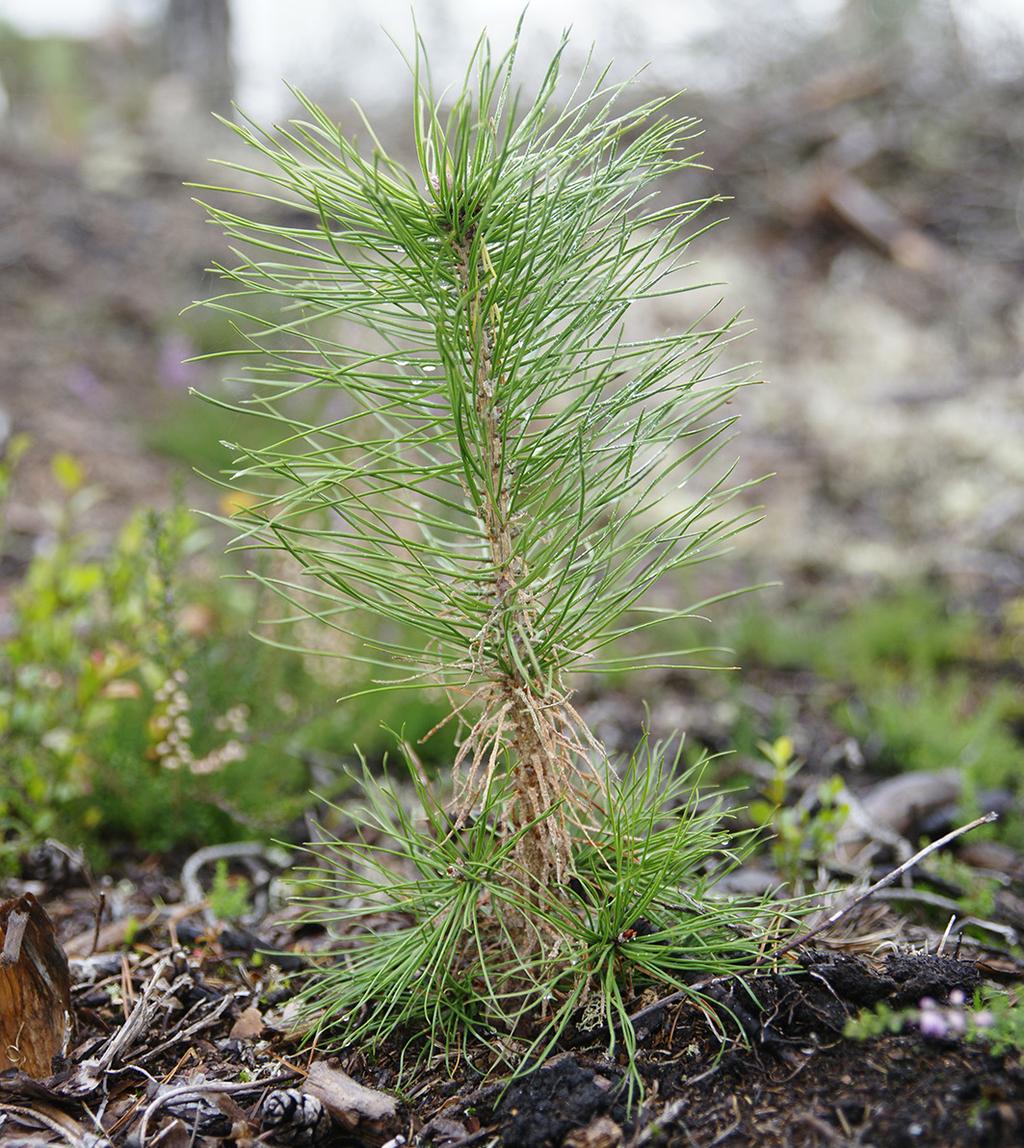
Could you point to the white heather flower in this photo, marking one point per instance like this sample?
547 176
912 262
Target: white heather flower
238 718
218 758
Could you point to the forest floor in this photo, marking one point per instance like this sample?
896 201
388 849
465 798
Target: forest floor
895 422
169 1005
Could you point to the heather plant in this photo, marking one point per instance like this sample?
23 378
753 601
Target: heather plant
482 470
132 707
993 1016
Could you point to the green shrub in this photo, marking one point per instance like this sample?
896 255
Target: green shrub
908 629
924 722
135 710
917 684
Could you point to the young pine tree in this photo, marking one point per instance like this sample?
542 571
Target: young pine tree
482 472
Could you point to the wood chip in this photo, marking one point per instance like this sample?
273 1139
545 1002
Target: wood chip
898 802
35 989
111 936
249 1024
600 1133
349 1103
865 211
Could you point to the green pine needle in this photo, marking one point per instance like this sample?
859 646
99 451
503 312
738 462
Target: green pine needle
549 220
419 913
481 469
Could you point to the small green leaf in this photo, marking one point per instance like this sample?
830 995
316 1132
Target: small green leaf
68 472
761 812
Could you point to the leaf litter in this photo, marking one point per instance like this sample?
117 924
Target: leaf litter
181 1033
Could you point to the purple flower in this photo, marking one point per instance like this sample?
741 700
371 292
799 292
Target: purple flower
932 1021
86 386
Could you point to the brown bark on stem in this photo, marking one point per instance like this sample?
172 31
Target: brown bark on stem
537 721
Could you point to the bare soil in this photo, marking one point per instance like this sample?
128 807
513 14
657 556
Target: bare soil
187 1003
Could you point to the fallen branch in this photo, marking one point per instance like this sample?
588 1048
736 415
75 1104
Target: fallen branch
829 921
937 901
179 1033
43 1120
250 853
881 883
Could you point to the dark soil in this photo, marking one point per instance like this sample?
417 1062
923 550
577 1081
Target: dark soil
870 1094
798 1082
899 1090
786 1076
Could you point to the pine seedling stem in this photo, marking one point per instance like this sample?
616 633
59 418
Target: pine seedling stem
531 710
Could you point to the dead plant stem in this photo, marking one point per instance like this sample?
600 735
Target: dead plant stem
827 923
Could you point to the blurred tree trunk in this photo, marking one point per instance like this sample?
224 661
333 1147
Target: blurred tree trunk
195 43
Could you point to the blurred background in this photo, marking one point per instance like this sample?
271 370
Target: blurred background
871 150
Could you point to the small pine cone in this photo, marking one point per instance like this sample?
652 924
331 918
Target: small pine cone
294 1118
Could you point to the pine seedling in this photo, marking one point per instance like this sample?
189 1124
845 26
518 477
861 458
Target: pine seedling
481 471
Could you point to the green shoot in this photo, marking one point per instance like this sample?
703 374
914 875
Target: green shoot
482 467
